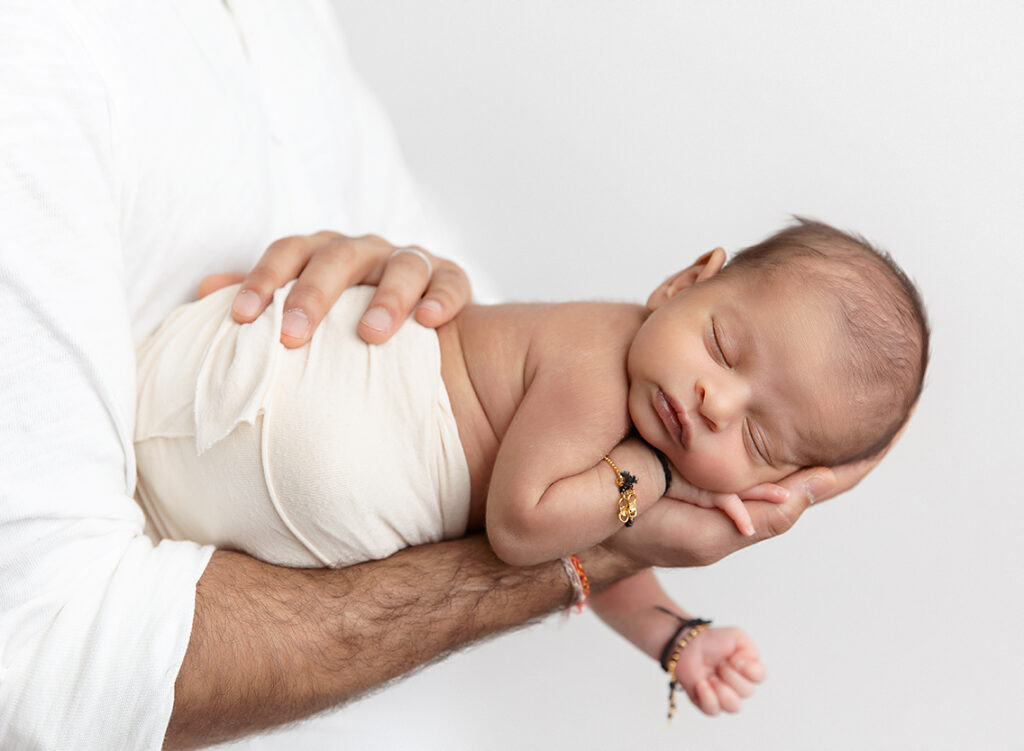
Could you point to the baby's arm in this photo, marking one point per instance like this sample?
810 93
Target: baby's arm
550 493
541 513
718 668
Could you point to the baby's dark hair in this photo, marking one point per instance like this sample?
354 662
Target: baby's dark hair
880 311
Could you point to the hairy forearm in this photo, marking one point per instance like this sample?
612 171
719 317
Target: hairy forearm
272 645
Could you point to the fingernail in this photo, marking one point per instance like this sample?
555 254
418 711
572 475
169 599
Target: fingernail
432 305
816 487
377 319
295 323
247 303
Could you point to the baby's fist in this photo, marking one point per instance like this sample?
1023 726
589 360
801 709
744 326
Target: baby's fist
718 669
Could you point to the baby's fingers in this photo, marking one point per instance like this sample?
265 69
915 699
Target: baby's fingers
707 699
751 669
734 508
766 491
728 700
738 683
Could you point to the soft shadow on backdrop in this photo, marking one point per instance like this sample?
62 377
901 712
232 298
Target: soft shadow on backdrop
585 150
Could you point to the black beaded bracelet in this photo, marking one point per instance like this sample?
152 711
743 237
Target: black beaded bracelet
685 625
665 467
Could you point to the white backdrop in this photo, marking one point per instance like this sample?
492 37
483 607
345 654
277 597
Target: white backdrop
586 149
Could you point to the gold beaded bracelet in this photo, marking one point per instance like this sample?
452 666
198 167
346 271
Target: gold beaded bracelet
627 496
686 632
670 667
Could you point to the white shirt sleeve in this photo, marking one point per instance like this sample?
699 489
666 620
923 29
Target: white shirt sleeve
94 620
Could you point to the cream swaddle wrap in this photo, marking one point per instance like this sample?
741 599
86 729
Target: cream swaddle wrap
327 455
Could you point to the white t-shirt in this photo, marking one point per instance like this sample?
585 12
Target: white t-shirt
142 146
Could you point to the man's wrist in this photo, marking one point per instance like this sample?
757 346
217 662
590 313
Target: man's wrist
605 566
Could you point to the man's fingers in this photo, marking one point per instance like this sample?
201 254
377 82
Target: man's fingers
819 484
324 264
805 487
448 293
214 282
337 263
282 261
403 282
848 475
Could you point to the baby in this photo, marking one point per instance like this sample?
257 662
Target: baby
550 426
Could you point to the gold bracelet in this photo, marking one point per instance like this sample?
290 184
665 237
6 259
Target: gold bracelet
627 496
673 660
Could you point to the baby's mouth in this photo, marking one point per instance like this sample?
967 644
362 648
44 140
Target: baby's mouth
670 417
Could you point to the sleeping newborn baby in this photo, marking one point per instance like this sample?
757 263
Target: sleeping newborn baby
550 426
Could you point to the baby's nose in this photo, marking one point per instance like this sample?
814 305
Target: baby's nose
722 401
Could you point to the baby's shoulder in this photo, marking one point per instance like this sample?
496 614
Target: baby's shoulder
579 355
579 368
585 333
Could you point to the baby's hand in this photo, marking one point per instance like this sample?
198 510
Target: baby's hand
718 669
730 503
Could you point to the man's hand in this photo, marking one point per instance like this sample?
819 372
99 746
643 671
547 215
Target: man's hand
679 534
327 263
730 503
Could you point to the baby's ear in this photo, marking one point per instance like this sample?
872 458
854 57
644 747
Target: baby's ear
703 268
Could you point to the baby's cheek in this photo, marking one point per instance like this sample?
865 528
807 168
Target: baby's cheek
712 471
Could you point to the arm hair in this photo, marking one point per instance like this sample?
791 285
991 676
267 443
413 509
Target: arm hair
273 645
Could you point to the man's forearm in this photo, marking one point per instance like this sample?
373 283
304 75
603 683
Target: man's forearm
272 645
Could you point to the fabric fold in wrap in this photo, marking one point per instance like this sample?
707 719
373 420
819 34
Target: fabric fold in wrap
325 455
235 376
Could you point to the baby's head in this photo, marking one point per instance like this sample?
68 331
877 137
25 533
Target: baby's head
808 348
